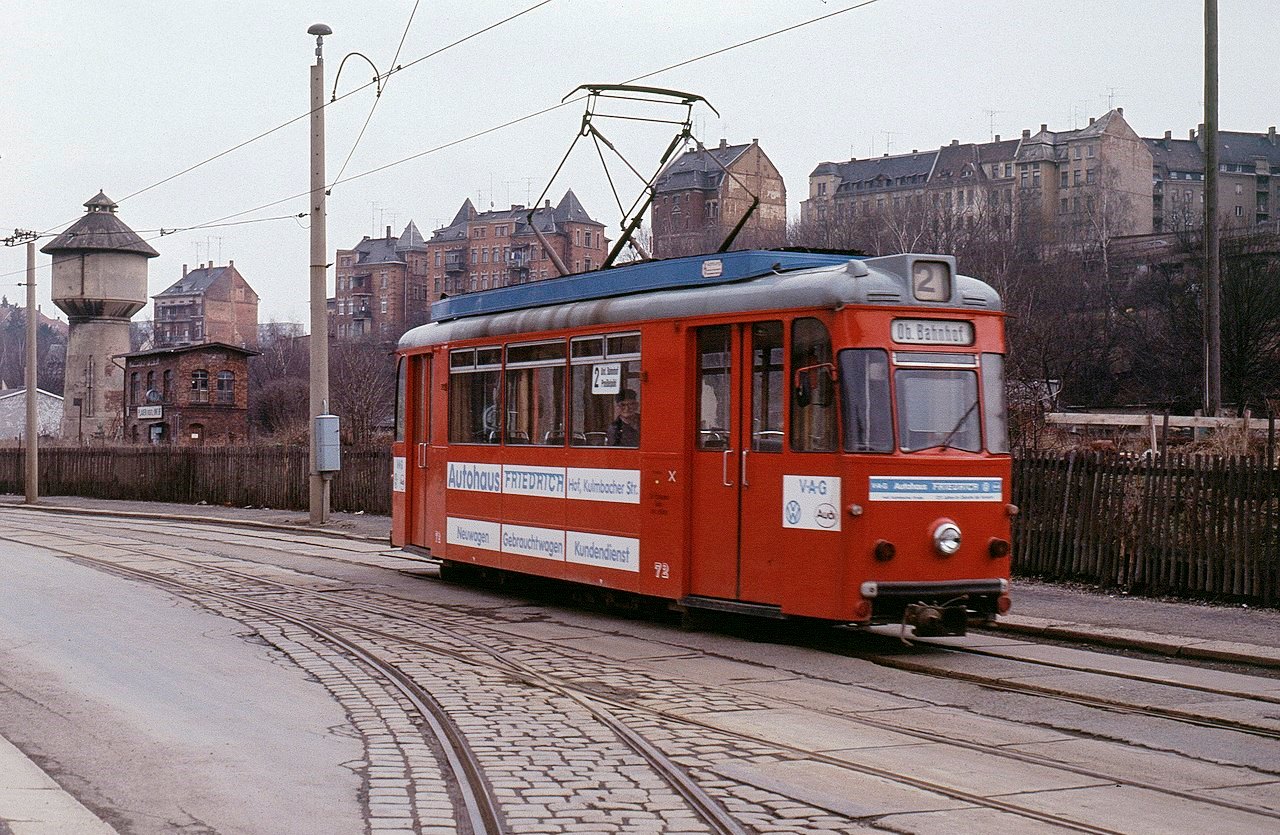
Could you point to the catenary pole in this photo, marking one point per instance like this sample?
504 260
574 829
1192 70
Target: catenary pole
32 430
1212 290
319 341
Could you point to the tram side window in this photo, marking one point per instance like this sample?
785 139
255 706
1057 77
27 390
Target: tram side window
864 387
474 416
604 390
535 393
813 402
995 418
713 387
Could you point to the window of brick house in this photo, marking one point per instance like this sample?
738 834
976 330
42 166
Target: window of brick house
200 386
226 387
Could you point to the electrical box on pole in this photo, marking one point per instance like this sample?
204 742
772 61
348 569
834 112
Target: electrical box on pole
328 444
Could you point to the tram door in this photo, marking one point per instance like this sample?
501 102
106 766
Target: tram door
419 450
739 403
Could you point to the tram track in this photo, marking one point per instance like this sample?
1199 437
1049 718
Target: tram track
923 667
482 807
580 694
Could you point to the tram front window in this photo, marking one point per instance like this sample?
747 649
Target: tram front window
937 408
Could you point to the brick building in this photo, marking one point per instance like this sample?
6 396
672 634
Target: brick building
696 203
208 304
188 395
380 287
480 250
1067 184
1248 193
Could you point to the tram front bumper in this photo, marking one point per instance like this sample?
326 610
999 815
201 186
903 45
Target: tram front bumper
935 608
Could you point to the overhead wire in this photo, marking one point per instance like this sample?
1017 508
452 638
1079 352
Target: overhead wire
378 79
378 97
485 131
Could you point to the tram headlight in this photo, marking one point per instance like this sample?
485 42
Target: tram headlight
946 538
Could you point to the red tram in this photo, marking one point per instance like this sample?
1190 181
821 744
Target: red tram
780 433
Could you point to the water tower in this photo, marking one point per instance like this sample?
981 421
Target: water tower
99 281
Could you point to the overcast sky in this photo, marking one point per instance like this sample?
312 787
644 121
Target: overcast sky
119 96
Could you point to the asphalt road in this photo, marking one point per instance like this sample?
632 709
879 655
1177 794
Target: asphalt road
136 701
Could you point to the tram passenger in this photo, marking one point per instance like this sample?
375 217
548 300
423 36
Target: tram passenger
625 429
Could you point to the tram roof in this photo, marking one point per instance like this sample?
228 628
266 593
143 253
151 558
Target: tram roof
696 286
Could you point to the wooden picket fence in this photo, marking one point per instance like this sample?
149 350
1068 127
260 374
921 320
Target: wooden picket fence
1204 526
240 476
1170 524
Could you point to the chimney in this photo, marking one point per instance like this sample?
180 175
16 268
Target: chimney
1091 120
1043 127
1120 111
954 143
388 233
184 270
755 140
1168 135
997 139
1026 134
724 143
231 263
1271 134
548 203
1191 134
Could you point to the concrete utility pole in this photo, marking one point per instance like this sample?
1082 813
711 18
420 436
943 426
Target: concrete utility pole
33 430
319 342
1212 291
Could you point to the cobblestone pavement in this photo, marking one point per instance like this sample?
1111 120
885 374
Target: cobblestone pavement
815 744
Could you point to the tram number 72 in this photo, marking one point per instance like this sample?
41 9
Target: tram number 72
662 570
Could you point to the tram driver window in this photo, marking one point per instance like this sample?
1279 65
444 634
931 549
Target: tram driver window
535 393
474 416
813 401
864 392
604 390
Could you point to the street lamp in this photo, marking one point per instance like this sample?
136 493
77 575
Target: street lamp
319 342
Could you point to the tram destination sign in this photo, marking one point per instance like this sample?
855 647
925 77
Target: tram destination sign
932 332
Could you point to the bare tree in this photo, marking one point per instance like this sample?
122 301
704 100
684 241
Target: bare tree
362 386
278 385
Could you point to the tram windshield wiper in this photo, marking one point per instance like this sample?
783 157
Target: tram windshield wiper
945 443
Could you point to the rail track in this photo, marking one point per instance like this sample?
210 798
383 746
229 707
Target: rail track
349 618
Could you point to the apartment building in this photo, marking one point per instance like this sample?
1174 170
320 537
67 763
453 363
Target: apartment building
702 194
208 304
481 250
1248 194
1064 184
380 286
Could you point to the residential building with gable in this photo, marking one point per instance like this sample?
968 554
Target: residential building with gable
702 194
481 250
208 304
380 287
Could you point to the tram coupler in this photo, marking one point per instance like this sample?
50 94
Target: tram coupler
930 621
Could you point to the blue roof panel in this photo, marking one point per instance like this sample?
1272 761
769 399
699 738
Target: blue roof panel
694 271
